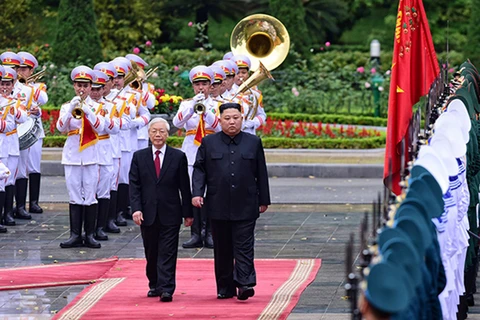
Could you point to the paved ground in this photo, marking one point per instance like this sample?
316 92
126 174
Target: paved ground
311 218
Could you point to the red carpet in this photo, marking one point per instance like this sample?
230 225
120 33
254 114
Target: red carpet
54 274
121 293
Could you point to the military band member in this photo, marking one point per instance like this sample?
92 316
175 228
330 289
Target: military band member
128 138
218 87
8 83
7 123
255 115
80 158
124 120
29 164
230 81
145 103
111 127
197 124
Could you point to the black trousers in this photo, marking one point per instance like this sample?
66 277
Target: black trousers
161 249
233 248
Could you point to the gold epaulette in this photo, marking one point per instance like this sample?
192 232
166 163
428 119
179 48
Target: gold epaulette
66 102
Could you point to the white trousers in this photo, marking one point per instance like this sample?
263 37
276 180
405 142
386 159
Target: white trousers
82 184
125 167
30 159
13 167
142 143
104 181
3 181
116 173
35 157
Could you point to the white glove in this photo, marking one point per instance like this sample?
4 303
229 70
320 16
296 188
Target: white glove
249 124
199 97
75 102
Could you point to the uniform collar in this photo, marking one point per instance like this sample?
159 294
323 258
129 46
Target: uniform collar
228 140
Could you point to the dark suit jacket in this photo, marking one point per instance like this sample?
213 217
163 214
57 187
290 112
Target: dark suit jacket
234 173
160 196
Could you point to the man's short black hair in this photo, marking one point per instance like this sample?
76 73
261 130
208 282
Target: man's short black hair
230 105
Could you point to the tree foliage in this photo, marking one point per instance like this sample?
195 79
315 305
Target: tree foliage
77 36
123 24
474 34
202 11
18 23
292 15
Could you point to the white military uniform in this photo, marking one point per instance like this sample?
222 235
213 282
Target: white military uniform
81 167
128 108
30 158
13 143
7 124
186 118
148 101
139 131
104 147
115 139
251 98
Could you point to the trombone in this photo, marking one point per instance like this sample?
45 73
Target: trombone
33 77
265 40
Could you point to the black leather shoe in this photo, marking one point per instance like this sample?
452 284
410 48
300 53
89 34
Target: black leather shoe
3 229
152 293
470 300
166 297
224 296
194 242
208 241
245 292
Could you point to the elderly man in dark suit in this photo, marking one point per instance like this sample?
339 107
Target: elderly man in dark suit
160 197
231 166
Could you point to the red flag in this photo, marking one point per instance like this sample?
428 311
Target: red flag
414 67
88 136
200 131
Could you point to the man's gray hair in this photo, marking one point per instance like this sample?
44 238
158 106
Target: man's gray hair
158 119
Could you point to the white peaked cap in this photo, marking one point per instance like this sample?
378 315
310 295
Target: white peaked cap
443 146
452 122
459 106
429 159
448 126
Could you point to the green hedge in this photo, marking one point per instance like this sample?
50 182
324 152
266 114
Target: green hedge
330 118
273 143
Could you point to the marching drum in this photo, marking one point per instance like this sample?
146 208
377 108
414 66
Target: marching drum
28 133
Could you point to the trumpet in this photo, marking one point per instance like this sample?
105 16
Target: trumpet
77 112
199 108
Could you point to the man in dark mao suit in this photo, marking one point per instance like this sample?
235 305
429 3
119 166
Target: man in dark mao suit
160 197
231 166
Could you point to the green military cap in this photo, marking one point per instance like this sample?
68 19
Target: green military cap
401 251
416 171
411 222
387 288
463 94
468 65
433 185
420 192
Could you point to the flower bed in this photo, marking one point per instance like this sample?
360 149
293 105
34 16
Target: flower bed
274 134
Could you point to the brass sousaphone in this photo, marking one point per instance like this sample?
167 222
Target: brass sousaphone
265 40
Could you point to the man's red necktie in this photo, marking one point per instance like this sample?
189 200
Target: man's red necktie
157 163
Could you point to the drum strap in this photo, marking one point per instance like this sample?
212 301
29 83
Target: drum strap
11 132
